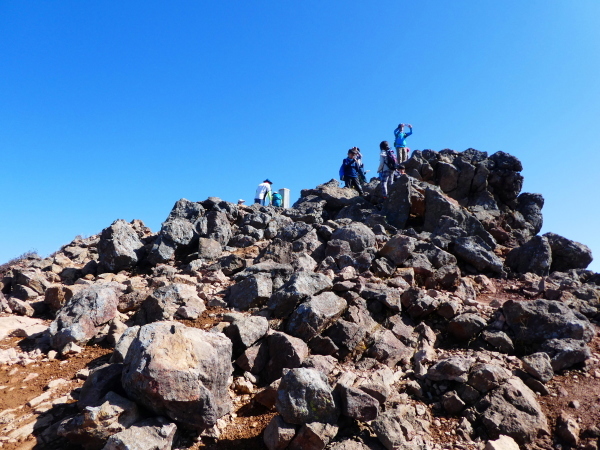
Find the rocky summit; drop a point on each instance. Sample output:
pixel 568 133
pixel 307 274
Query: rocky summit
pixel 435 318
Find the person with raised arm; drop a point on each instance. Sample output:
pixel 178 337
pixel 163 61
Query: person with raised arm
pixel 400 142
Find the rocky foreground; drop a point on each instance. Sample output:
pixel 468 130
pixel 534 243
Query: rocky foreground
pixel 437 318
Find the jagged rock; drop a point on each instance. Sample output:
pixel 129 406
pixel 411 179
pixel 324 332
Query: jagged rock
pixel 350 444
pixel 280 273
pixel 418 304
pixel 20 307
pixel 285 351
pixel 57 295
pixel 119 248
pixel 83 316
pixel 536 321
pixel 150 434
pixel 255 358
pixel 254 290
pixel 378 383
pixel 298 288
pixel 567 254
pixel 209 249
pixel 357 404
pixel 565 353
pixel 567 429
pixel 174 300
pixel 346 336
pixel 96 424
pixel 452 403
pixel 179 372
pixel 389 350
pixel 304 396
pixel 31 278
pixel 322 363
pixel 100 382
pixel 539 365
pixel 313 436
pixel 535 256
pixel 475 251
pixel 268 396
pixel 499 340
pixel 245 331
pixel 359 236
pixel 454 368
pixel 400 428
pixel 122 346
pixel 314 315
pixel 466 326
pixel 278 434
pixel 389 297
pixel 485 377
pixel 513 410
pixel 218 227
pixel 502 443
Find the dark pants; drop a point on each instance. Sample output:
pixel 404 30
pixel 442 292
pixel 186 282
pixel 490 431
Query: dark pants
pixel 353 182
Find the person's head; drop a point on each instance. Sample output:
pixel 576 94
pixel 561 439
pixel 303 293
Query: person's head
pixel 352 153
pixel 402 168
pixel 384 145
pixel 401 126
pixel 241 201
pixel 268 181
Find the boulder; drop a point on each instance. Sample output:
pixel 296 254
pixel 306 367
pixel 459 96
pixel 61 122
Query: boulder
pixel 314 315
pixel 359 236
pixel 245 331
pixel 83 316
pixel 565 353
pixel 567 254
pixel 119 247
pixel 401 428
pixel 535 256
pixel 357 404
pixel 285 352
pixel 179 372
pixel 175 300
pixel 278 434
pixel 313 436
pixel 304 396
pixel 474 251
pixel 253 290
pixel 539 365
pixel 466 326
pixel 454 368
pixel 297 289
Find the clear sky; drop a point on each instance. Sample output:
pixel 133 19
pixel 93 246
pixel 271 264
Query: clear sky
pixel 115 110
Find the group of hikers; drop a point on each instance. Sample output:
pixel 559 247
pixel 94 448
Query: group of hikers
pixel 352 171
pixel 390 163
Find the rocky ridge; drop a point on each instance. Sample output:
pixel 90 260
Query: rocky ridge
pixel 353 322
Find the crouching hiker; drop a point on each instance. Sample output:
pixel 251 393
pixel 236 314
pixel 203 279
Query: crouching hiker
pixel 352 171
pixel 263 192
pixel 387 167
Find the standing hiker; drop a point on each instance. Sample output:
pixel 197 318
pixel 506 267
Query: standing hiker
pixel 263 192
pixel 400 142
pixel 361 174
pixel 387 167
pixel 352 171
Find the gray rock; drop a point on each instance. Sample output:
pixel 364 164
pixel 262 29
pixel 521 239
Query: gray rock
pixel 565 353
pixel 535 256
pixel 172 301
pixel 454 368
pixel 390 297
pixel 255 358
pixel 123 344
pixel 209 249
pixel 245 331
pixel 359 236
pixel 254 290
pixel 536 321
pixel 99 382
pixel 466 326
pixel 150 434
pixel 398 249
pixel 512 410
pixel 567 254
pixel 452 403
pixel 539 366
pixel 280 273
pixel 378 383
pixel 400 428
pixel 357 404
pixel 304 396
pixel 297 289
pixel 388 349
pixel 485 377
pixel 31 278
pixel 314 315
pixel 476 252
pixel 179 372
pixel 278 434
pixel 285 352
pixel 20 307
pixel 119 247
pixel 346 336
pixel 218 227
pixel 96 424
pixel 350 444
pixel 313 436
pixel 568 429
pixel 83 316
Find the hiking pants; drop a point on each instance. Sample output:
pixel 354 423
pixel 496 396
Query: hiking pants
pixel 387 178
pixel 402 153
pixel 353 182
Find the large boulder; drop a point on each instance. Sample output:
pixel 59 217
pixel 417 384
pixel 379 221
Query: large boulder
pixel 80 319
pixel 172 301
pixel 156 433
pixel 253 290
pixel 179 372
pixel 359 236
pixel 298 288
pixel 119 247
pixel 567 254
pixel 534 256
pixel 474 250
pixel 314 315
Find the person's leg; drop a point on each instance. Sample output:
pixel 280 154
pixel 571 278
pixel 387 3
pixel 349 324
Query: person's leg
pixel 398 154
pixel 354 182
pixel 384 182
pixel 257 200
pixel 404 154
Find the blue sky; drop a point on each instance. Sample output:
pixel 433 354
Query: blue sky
pixel 115 110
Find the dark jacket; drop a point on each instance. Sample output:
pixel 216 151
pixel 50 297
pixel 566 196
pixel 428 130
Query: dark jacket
pixel 351 167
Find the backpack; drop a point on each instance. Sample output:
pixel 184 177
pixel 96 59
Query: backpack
pixel 390 159
pixel 277 199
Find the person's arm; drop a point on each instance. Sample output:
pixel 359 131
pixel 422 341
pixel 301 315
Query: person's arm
pixel 410 132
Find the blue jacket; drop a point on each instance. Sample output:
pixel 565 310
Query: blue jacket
pixel 351 167
pixel 401 137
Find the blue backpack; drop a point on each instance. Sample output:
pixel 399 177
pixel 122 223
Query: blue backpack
pixel 277 199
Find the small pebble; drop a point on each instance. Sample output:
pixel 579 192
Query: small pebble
pixel 574 404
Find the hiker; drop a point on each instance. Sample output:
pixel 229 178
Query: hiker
pixel 387 167
pixel 351 171
pixel 361 174
pixel 241 202
pixel 277 199
pixel 400 142
pixel 263 192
